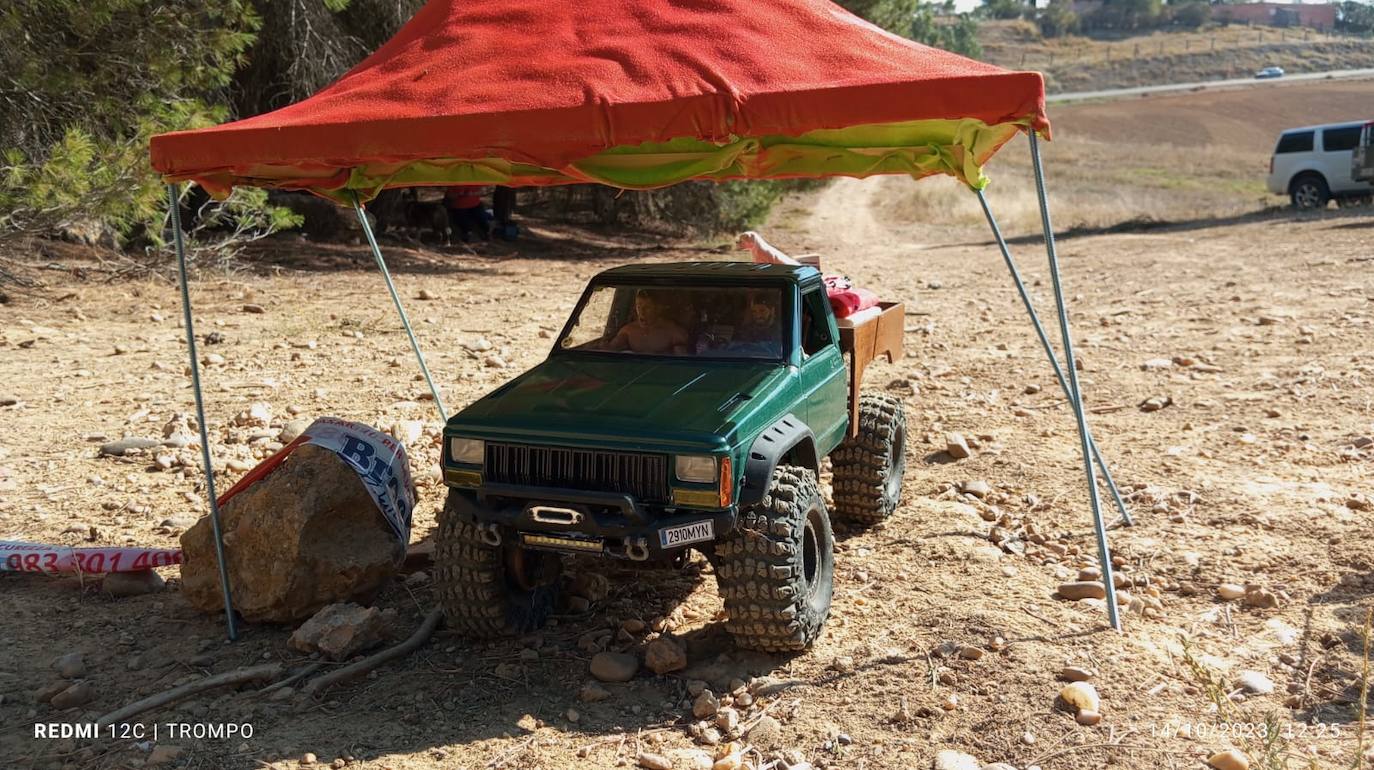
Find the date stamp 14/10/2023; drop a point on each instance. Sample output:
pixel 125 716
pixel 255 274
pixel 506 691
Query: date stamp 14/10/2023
pixel 1225 730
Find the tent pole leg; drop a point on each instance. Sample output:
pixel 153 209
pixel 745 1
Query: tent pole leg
pixel 174 200
pixel 1049 351
pixel 396 298
pixel 1076 394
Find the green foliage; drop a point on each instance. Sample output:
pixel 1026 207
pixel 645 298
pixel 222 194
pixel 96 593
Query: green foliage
pixel 1127 14
pixel 1005 9
pixel 1356 17
pixel 86 83
pixel 928 23
pixel 1058 20
pixel 1192 14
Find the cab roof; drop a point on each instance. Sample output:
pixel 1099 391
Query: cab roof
pixel 725 272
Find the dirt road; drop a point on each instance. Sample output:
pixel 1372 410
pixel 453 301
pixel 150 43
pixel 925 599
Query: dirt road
pixel 1257 470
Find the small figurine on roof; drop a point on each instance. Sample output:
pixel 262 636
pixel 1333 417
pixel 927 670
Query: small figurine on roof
pixel 845 298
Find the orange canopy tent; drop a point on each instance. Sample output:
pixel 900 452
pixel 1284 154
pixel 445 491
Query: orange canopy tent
pixel 634 94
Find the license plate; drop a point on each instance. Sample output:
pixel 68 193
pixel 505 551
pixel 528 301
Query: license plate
pixel 696 532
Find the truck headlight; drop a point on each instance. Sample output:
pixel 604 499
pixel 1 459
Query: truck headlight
pixel 697 468
pixel 466 450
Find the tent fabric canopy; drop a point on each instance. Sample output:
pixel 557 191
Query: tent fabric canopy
pixel 632 93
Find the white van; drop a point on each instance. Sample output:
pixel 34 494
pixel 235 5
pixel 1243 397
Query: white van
pixel 1313 165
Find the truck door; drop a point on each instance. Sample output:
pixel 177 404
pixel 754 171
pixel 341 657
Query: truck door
pixel 824 385
pixel 1338 148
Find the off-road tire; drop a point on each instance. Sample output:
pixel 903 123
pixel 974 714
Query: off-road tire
pixel 1309 192
pixel 478 589
pixel 868 468
pixel 776 570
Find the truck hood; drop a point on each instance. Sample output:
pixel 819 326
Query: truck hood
pixel 627 401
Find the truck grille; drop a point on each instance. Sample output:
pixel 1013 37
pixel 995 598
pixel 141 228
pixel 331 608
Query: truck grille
pixel 643 476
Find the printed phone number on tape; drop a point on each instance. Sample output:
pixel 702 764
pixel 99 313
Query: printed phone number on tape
pixel 36 557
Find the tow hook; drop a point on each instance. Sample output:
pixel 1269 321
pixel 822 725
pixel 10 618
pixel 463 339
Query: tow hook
pixel 489 534
pixel 637 549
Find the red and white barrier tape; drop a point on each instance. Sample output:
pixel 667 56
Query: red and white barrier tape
pixel 58 559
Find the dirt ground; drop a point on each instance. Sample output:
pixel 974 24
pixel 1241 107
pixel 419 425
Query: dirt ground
pixel 1255 330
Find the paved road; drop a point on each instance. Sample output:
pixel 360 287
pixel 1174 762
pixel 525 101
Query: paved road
pixel 1118 93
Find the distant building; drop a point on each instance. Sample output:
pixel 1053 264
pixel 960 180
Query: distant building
pixel 1317 16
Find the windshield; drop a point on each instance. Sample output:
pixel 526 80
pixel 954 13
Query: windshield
pixel 709 321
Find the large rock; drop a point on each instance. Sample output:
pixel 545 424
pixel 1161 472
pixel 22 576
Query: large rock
pixel 306 535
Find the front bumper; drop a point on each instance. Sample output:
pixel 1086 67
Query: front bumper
pixel 609 521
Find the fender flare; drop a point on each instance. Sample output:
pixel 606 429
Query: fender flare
pixel 787 434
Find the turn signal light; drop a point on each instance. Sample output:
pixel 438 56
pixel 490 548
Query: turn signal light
pixel 727 485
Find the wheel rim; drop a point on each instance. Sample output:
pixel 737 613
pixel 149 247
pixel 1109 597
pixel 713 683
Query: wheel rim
pixel 892 487
pixel 811 555
pixel 1307 195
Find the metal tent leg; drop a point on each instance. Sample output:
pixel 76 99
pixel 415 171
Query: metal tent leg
pixel 1076 393
pixel 1049 351
pixel 391 287
pixel 174 200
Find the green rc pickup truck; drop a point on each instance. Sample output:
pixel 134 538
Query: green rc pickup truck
pixel 683 406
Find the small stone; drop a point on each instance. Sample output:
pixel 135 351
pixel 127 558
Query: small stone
pixel 664 655
pixel 970 652
pixel 1075 674
pixel 292 430
pixel 1255 682
pixel 1082 589
pixel 124 584
pixel 578 604
pixel 573 715
pixel 766 734
pixel 1081 696
pixel 1230 591
pixel 254 309
pixel 1155 403
pixel 651 761
pixel 1230 759
pixel 633 626
pixel 592 586
pixel 8 400
pixel 592 692
pixel 957 447
pixel 1261 598
pixel 949 702
pixel 78 694
pixel 949 759
pixel 1157 363
pixel 727 720
pixel 125 445
pixel 70 666
pixel 1087 717
pixel 426 294
pixel 493 361
pixel 705 705
pixel 614 666
pixel 161 755
pixel 979 488
pixel 527 722
pixel 339 631
pixel 308 758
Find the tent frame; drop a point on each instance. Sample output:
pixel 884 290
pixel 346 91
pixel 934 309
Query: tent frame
pixel 1093 462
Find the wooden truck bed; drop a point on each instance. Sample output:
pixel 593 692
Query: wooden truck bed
pixel 865 337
